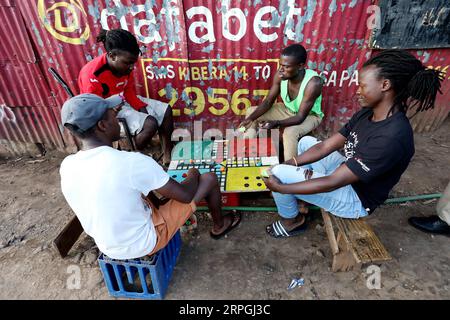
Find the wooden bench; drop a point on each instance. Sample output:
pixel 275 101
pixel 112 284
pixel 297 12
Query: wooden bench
pixel 355 244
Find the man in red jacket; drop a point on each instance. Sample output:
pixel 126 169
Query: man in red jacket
pixel 111 74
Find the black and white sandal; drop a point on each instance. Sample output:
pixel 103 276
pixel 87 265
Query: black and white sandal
pixel 277 230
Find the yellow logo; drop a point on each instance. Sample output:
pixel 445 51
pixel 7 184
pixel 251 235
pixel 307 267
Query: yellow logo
pixel 63 20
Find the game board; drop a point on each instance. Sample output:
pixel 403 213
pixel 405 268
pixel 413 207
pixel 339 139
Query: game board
pixel 237 164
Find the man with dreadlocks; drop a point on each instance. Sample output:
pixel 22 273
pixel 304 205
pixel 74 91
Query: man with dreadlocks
pixel 378 146
pixel 111 74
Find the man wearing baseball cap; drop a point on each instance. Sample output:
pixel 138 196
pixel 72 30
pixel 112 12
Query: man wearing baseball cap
pixel 109 189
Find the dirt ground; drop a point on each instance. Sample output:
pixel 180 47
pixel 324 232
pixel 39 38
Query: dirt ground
pixel 248 264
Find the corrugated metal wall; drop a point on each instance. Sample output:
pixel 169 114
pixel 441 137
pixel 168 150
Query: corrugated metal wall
pixel 26 102
pixel 209 59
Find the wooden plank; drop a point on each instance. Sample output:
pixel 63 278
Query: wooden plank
pixel 362 241
pixel 68 236
pixel 330 232
pixel 344 260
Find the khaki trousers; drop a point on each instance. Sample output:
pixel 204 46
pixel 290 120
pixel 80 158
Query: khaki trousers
pixel 292 134
pixel 443 206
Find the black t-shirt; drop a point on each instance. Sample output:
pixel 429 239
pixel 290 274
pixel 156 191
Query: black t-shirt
pixel 378 153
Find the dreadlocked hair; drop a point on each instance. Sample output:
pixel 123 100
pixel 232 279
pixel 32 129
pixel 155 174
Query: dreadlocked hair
pixel 119 39
pixel 413 84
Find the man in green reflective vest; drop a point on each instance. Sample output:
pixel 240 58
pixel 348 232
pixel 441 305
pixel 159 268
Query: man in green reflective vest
pixel 300 112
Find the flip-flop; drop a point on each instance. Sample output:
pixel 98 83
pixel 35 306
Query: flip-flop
pixel 237 217
pixel 277 230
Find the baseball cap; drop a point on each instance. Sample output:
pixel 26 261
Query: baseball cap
pixel 85 110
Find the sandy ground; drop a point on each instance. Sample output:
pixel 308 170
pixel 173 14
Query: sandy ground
pixel 247 264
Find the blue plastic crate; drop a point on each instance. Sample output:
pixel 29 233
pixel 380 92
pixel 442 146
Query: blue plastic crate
pixel 144 279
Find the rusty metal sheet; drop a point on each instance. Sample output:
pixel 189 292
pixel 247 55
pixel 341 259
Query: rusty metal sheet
pixel 15 42
pixel 30 125
pixel 209 59
pixel 22 84
pixel 234 47
pixel 26 118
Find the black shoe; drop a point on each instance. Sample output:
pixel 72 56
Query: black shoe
pixel 431 224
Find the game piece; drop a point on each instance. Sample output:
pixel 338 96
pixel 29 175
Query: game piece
pixel 264 173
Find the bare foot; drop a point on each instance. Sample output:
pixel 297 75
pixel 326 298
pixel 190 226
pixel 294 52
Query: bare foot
pixel 229 223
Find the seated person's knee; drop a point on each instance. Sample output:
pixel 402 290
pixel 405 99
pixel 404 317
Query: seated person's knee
pixel 276 170
pixel 150 124
pixel 285 173
pixel 305 143
pixel 307 139
pixel 210 178
pixel 168 113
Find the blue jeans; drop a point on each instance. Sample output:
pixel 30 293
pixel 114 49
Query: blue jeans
pixel 342 202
